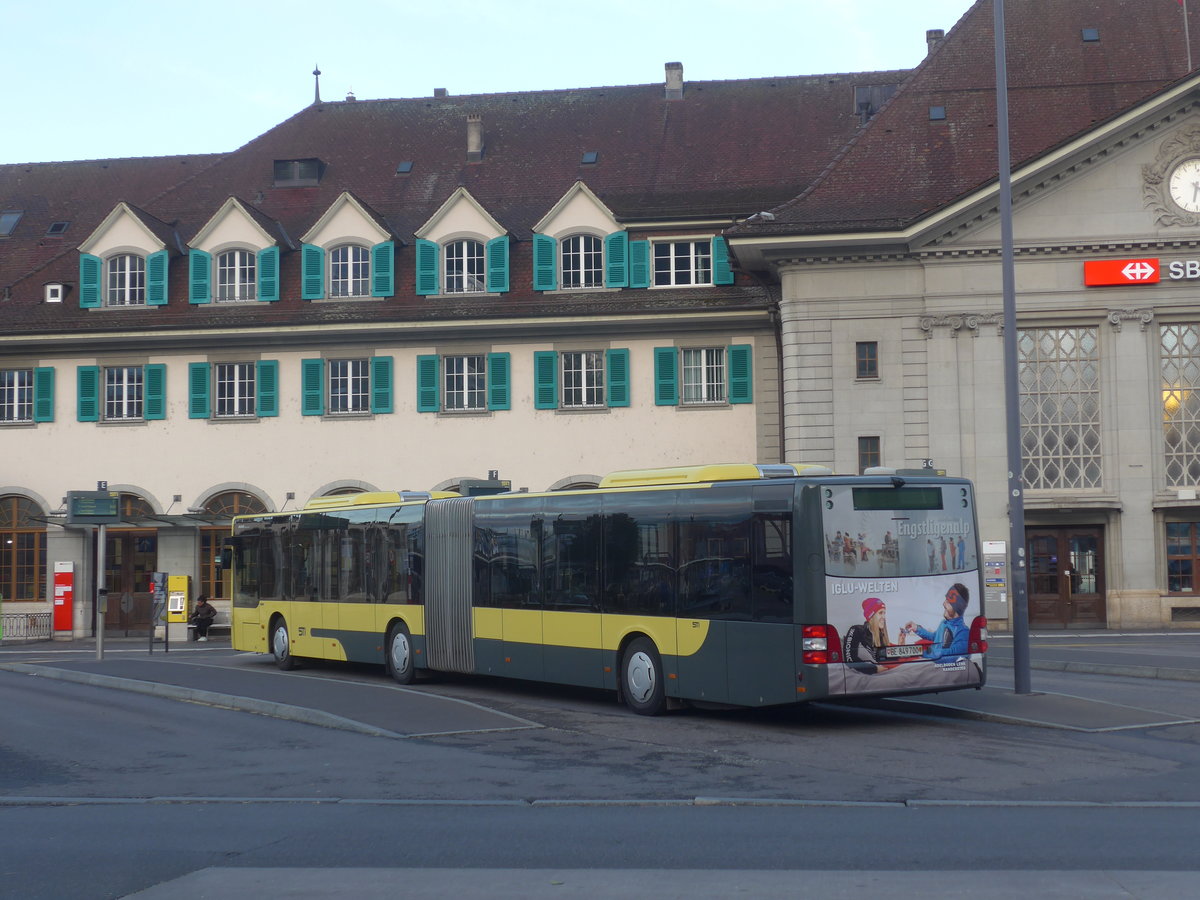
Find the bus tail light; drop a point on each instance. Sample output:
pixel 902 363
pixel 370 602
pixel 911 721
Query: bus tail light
pixel 820 645
pixel 979 635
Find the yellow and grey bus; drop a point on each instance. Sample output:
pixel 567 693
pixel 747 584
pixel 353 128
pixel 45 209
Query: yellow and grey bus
pixel 733 584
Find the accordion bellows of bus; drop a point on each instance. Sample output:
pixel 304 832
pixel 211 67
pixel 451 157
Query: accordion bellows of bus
pixel 733 584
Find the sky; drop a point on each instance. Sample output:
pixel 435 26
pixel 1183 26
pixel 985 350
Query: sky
pixel 147 78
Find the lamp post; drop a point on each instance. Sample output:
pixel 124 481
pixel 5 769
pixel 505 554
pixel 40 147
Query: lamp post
pixel 1018 572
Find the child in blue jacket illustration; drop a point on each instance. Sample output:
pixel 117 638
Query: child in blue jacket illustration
pixel 951 638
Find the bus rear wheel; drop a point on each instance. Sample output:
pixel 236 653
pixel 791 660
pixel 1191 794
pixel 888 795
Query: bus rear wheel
pixel 281 646
pixel 400 663
pixel 642 678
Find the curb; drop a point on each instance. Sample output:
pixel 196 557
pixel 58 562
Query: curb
pixel 1080 668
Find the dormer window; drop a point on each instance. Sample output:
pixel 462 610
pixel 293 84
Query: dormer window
pixel 297 172
pixel 465 271
pixel 582 262
pixel 237 276
pixel 350 271
pixel 126 280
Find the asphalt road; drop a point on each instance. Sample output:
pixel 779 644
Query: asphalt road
pixel 342 782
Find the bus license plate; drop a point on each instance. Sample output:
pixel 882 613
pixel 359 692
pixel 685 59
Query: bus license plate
pixel 904 652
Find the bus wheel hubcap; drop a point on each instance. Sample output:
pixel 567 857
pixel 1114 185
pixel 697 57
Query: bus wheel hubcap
pixel 281 643
pixel 400 651
pixel 640 676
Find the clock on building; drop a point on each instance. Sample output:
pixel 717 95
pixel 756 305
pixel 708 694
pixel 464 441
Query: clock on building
pixel 1184 184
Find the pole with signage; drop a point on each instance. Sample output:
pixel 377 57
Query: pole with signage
pixel 1016 494
pixel 100 508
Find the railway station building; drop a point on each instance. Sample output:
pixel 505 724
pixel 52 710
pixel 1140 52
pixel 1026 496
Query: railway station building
pixel 548 286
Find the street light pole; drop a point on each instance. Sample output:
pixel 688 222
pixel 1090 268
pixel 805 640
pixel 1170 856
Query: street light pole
pixel 1017 574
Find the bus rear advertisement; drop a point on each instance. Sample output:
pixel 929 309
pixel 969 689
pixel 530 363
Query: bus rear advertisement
pixel 733 584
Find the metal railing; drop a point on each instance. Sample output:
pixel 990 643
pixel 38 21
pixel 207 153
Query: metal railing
pixel 26 627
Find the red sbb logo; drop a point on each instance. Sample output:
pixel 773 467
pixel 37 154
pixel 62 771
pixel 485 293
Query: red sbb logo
pixel 1098 273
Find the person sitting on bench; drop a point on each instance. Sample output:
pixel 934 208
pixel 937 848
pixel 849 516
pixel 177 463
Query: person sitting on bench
pixel 202 617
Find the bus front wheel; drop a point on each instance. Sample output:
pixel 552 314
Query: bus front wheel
pixel 400 663
pixel 642 678
pixel 281 646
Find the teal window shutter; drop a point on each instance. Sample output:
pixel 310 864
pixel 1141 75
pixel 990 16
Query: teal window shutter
pixel 154 406
pixel 43 394
pixel 90 270
pixel 87 393
pixel 666 382
pixel 497 265
pixel 427 268
pixel 312 272
pixel 616 259
pixel 639 264
pixel 741 373
pixel 156 279
pixel 268 274
pixel 545 263
pixel 312 387
pixel 198 381
pixel 383 270
pixel 267 384
pixel 545 379
pixel 617 372
pixel 199 277
pixel 428 395
pixel 381 384
pixel 722 271
pixel 499 396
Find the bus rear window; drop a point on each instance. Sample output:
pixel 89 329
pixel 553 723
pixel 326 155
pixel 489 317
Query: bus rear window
pixel 898 498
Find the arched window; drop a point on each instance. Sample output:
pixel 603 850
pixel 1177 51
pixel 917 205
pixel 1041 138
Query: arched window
pixel 221 506
pixel 22 549
pixel 126 280
pixel 349 271
pixel 464 268
pixel 236 275
pixel 135 507
pixel 582 262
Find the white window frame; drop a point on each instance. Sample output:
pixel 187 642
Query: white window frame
pixel 582 379
pixel 237 275
pixel 16 396
pixel 235 390
pixel 682 263
pixel 349 387
pixel 124 393
pixel 464 382
pixel 125 275
pixel 702 375
pixel 581 262
pixel 350 271
pixel 464 267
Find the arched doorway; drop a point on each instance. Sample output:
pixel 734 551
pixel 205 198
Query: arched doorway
pixel 223 506
pixel 130 556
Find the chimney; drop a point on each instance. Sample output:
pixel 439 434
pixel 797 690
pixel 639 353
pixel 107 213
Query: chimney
pixel 933 37
pixel 674 85
pixel 474 137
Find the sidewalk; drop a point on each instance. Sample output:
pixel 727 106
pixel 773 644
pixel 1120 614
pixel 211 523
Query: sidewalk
pixel 351 699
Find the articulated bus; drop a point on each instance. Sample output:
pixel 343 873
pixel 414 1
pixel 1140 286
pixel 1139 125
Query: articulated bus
pixel 735 584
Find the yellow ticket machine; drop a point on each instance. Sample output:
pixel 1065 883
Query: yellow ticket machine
pixel 179 606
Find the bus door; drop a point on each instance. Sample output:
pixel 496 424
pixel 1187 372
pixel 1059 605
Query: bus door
pixel 571 540
pixel 761 647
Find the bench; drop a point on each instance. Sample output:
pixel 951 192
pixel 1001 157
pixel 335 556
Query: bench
pixel 223 621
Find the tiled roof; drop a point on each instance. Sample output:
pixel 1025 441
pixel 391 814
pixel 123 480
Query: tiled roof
pixel 81 194
pixel 725 150
pixel 904 166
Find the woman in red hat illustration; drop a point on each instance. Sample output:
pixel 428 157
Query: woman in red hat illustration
pixel 864 644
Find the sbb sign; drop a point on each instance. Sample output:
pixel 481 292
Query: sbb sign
pixel 1103 272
